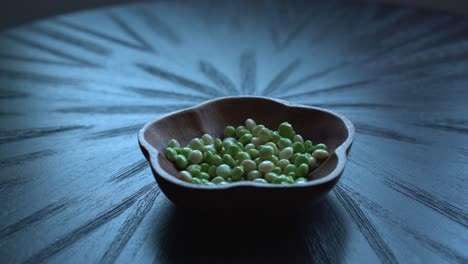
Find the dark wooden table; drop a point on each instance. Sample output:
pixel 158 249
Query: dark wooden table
pixel 75 89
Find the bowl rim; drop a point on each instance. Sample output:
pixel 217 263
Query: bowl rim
pixel 340 151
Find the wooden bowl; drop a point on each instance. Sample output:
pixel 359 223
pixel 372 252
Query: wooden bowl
pixel 316 124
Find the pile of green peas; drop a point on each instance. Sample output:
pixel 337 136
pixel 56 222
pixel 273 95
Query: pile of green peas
pixel 247 153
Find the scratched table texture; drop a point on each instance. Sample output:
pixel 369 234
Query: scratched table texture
pixel 75 89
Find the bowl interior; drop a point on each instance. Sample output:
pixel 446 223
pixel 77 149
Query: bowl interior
pixel 317 125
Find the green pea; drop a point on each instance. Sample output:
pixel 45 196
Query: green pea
pixel 249 147
pixel 254 175
pixel 181 162
pixel 193 166
pixel 170 154
pixel 318 146
pixel 264 135
pixel 216 160
pixel 298 138
pixel 285 130
pixel 207 156
pixel 204 167
pixel 292 174
pixel 290 168
pixel 229 179
pixel 320 154
pixel 308 145
pixel 289 179
pixel 250 124
pixel 280 179
pixel 256 129
pixel 266 166
pixel 210 184
pixel 185 151
pixel 178 150
pixel 195 172
pixel 275 137
pixel 217 180
pixel 313 163
pixel 196 181
pixel 260 180
pixel 228 143
pixel 240 145
pixel 253 153
pixel 286 153
pixel 207 139
pixel 204 181
pixel 196 144
pixel 273 145
pixel 301 180
pixel 212 171
pixel 185 176
pixel 248 165
pixel 204 176
pixel 233 150
pixel 265 152
pixel 241 130
pixel 243 156
pixel 256 141
pixel 298 147
pixel 282 163
pixel 237 173
pixel 301 159
pixel 227 159
pixel 302 170
pixel 294 157
pixel 284 143
pixel 229 131
pixel 258 161
pixel 195 157
pixel 270 176
pixel 273 159
pixel 209 148
pixel 172 143
pixel 245 139
pixel 223 170
pixel 218 144
pixel 307 155
pixel 277 170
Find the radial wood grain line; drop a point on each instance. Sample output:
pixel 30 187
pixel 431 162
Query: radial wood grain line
pixel 279 79
pixel 387 216
pixel 248 70
pixel 122 109
pixel 32 156
pixel 130 32
pixel 36 217
pixel 129 171
pixel 37 77
pixel 218 78
pixel 295 32
pixel 366 129
pixel 10 114
pixel 18 58
pixel 340 87
pixel 89 226
pixel 75 27
pixel 453 35
pixel 356 105
pixel 381 249
pixel 7 136
pixel 10 94
pixel 115 132
pixel 316 75
pixel 159 27
pixel 128 228
pixel 71 40
pixel 454 212
pixel 54 51
pixel 155 93
pixel 179 80
pixel 7 186
pixel 445 127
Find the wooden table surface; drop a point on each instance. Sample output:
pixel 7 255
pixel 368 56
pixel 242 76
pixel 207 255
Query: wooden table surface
pixel 75 89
